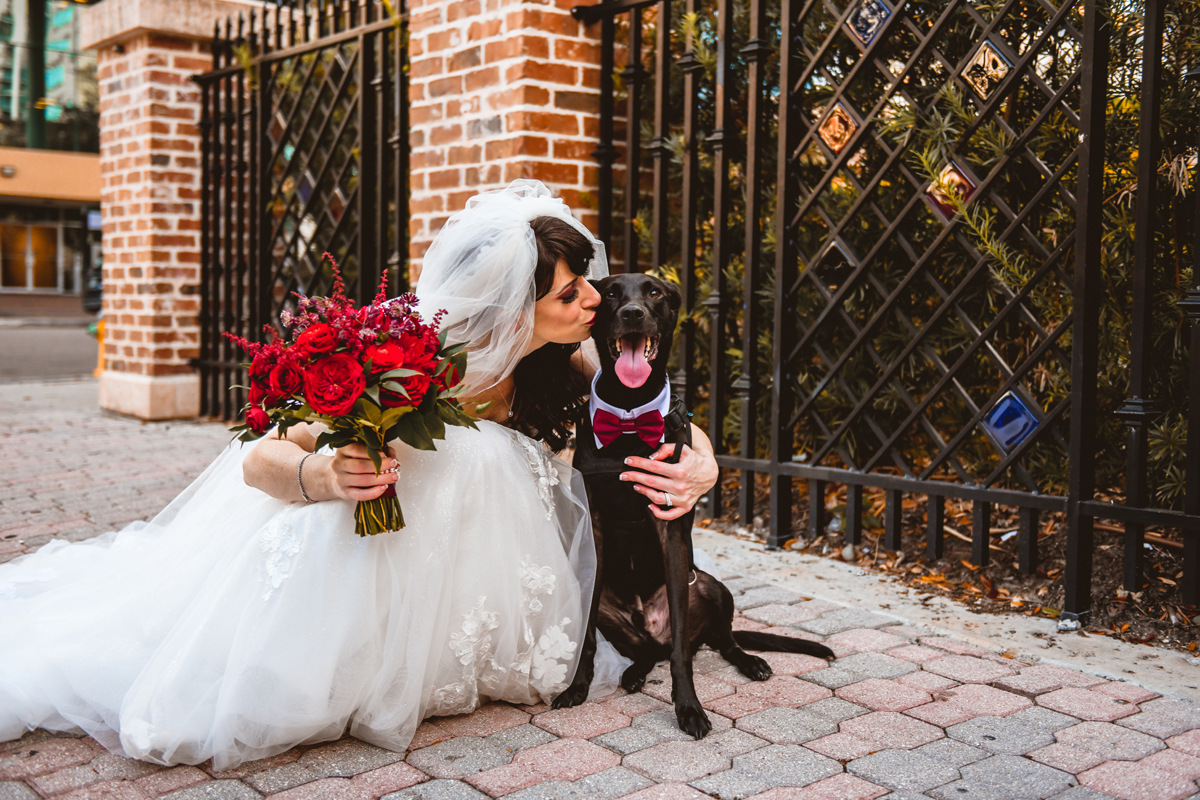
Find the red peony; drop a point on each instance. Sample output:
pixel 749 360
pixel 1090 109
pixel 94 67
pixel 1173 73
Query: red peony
pixel 332 384
pixel 317 340
pixel 257 420
pixel 414 385
pixel 286 380
pixel 383 357
pixel 416 356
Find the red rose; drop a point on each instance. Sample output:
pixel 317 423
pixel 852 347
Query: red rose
pixel 286 380
pixel 415 385
pixel 257 420
pixel 258 394
pixel 383 357
pixel 315 341
pixel 332 384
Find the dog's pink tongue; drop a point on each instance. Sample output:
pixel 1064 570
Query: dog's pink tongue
pixel 632 367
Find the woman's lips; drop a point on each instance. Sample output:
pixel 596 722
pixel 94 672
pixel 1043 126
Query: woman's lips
pixel 592 321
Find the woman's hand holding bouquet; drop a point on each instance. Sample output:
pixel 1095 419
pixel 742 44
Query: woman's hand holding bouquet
pixel 371 375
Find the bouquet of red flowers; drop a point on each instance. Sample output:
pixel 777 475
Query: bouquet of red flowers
pixel 371 375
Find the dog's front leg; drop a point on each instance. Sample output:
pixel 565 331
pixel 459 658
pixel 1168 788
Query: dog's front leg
pixel 688 711
pixel 577 692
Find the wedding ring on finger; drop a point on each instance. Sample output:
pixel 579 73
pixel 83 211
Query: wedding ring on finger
pixel 670 503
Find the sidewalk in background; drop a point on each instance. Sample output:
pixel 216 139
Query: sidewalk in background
pixel 931 709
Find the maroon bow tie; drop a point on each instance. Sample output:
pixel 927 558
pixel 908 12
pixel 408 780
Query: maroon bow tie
pixel 608 426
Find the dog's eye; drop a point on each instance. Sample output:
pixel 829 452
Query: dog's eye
pixel 610 294
pixel 655 293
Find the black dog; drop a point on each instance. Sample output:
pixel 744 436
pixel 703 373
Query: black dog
pixel 650 601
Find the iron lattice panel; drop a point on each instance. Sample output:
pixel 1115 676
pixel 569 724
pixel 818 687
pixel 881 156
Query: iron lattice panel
pixel 930 303
pixel 313 172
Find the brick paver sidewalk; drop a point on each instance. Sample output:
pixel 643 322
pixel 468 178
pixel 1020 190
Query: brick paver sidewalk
pixel 900 714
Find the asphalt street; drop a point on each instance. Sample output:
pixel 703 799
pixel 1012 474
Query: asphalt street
pixel 45 352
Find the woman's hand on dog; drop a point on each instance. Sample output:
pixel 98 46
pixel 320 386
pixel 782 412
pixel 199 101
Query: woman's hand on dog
pixel 686 481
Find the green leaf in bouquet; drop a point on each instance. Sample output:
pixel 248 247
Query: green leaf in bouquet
pixel 465 419
pixel 372 412
pixel 434 423
pixel 442 339
pixel 452 350
pixel 373 393
pixel 427 403
pixel 373 452
pixel 287 421
pixel 336 435
pixel 399 389
pixel 399 372
pixel 411 430
pixel 392 414
pixel 451 414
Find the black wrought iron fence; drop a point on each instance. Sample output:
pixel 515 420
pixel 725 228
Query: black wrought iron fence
pixel 305 150
pixel 886 219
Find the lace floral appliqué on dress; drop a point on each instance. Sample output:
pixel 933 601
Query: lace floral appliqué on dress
pixel 279 543
pixel 543 468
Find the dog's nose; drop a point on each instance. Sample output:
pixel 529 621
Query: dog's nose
pixel 632 313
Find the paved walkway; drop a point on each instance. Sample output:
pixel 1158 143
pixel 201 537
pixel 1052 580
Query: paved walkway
pixel 902 713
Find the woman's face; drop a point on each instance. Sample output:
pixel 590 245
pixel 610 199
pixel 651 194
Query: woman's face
pixel 566 313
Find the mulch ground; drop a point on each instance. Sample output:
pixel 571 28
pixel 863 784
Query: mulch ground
pixel 1154 615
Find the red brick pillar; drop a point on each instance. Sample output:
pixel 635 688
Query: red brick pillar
pixel 500 89
pixel 147 51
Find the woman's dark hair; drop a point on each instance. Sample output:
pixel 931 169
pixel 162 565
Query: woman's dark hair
pixel 548 387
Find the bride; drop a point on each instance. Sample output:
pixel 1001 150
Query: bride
pixel 247 618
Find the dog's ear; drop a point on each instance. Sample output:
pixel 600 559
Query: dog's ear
pixel 674 298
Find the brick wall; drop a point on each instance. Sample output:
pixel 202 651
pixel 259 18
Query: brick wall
pixel 150 170
pixel 500 89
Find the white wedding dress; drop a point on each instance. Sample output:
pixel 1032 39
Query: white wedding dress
pixel 234 626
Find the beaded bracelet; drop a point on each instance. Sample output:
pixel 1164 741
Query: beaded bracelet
pixel 300 482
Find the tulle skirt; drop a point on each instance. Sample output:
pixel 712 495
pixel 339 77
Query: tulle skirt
pixel 234 626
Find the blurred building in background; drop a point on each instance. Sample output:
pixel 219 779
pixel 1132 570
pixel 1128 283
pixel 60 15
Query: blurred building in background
pixel 49 168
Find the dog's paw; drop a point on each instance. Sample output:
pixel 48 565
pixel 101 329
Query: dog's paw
pixel 755 668
pixel 632 682
pixel 571 696
pixel 693 721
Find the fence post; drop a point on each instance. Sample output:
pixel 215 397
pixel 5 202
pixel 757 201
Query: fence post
pixel 1139 408
pixel 1085 360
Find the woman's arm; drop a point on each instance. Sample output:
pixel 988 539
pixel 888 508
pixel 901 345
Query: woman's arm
pixel 686 481
pixel 347 475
